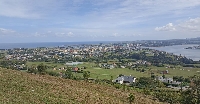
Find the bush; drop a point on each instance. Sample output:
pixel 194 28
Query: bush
pixel 131 98
pixel 117 86
pixel 41 68
pixel 52 73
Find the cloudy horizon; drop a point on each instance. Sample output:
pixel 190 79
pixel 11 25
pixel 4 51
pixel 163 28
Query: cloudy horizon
pixel 98 20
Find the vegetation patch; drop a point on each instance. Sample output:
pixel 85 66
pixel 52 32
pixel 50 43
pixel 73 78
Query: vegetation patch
pixel 25 88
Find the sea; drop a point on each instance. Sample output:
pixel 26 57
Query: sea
pixel 45 44
pixel 193 54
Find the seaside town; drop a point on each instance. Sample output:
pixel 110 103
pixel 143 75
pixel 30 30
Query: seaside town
pixel 99 52
pixel 136 65
pixel 114 55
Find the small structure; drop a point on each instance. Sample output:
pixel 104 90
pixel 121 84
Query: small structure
pixel 125 79
pixel 75 69
pixel 165 80
pixel 164 72
pixel 73 63
pixel 168 80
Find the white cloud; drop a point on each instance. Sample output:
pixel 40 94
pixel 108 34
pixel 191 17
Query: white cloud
pixel 39 35
pixel 132 35
pixel 11 33
pixel 118 14
pixel 115 35
pixel 64 34
pixel 117 19
pixel 19 8
pixel 190 25
pixel 6 31
pixel 33 9
pixel 70 34
pixel 168 27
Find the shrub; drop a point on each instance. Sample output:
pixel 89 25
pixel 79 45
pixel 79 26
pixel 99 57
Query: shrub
pixel 52 73
pixel 131 98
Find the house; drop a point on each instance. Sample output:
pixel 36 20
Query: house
pixel 107 66
pixel 165 80
pixel 165 72
pixel 168 80
pixel 75 69
pixel 124 79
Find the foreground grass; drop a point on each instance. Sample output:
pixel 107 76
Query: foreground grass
pixel 24 88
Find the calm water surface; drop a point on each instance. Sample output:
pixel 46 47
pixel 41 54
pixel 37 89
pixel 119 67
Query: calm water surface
pixel 44 44
pixel 193 54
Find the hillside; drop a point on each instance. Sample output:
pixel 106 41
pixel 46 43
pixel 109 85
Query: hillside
pixel 20 87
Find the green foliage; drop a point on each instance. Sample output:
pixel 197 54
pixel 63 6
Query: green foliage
pixel 32 69
pixel 131 98
pixel 2 55
pixel 146 91
pixel 146 82
pixel 41 68
pixel 167 96
pixel 97 80
pixel 117 86
pixel 124 87
pixel 68 74
pixel 53 73
pixel 11 64
pixel 111 80
pixel 187 97
pixel 195 90
pixel 86 75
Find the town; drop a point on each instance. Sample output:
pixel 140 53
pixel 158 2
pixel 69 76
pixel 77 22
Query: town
pixel 125 63
pixel 99 52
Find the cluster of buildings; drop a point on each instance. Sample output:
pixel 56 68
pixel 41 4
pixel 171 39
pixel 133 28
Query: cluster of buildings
pixel 64 52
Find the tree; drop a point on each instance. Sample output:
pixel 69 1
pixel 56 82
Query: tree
pixel 86 75
pixel 196 88
pixel 187 97
pixel 68 74
pixel 146 82
pixel 32 69
pixel 192 96
pixel 41 68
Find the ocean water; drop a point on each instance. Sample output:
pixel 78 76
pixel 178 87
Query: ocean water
pixel 193 54
pixel 44 44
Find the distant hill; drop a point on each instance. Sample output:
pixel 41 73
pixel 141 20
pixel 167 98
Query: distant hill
pixel 23 88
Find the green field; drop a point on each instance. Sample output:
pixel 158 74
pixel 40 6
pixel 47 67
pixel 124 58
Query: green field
pixel 102 73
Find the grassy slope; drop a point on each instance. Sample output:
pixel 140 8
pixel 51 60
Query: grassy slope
pixel 20 87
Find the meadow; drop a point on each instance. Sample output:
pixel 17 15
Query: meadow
pixel 102 73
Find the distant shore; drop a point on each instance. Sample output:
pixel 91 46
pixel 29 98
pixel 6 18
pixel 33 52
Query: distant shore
pixel 193 47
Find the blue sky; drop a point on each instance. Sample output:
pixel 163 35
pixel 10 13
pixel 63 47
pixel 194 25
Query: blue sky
pixel 97 20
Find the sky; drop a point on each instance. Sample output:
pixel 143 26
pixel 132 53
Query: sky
pixel 98 20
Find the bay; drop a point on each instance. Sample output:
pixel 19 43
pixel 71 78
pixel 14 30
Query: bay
pixel 193 54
